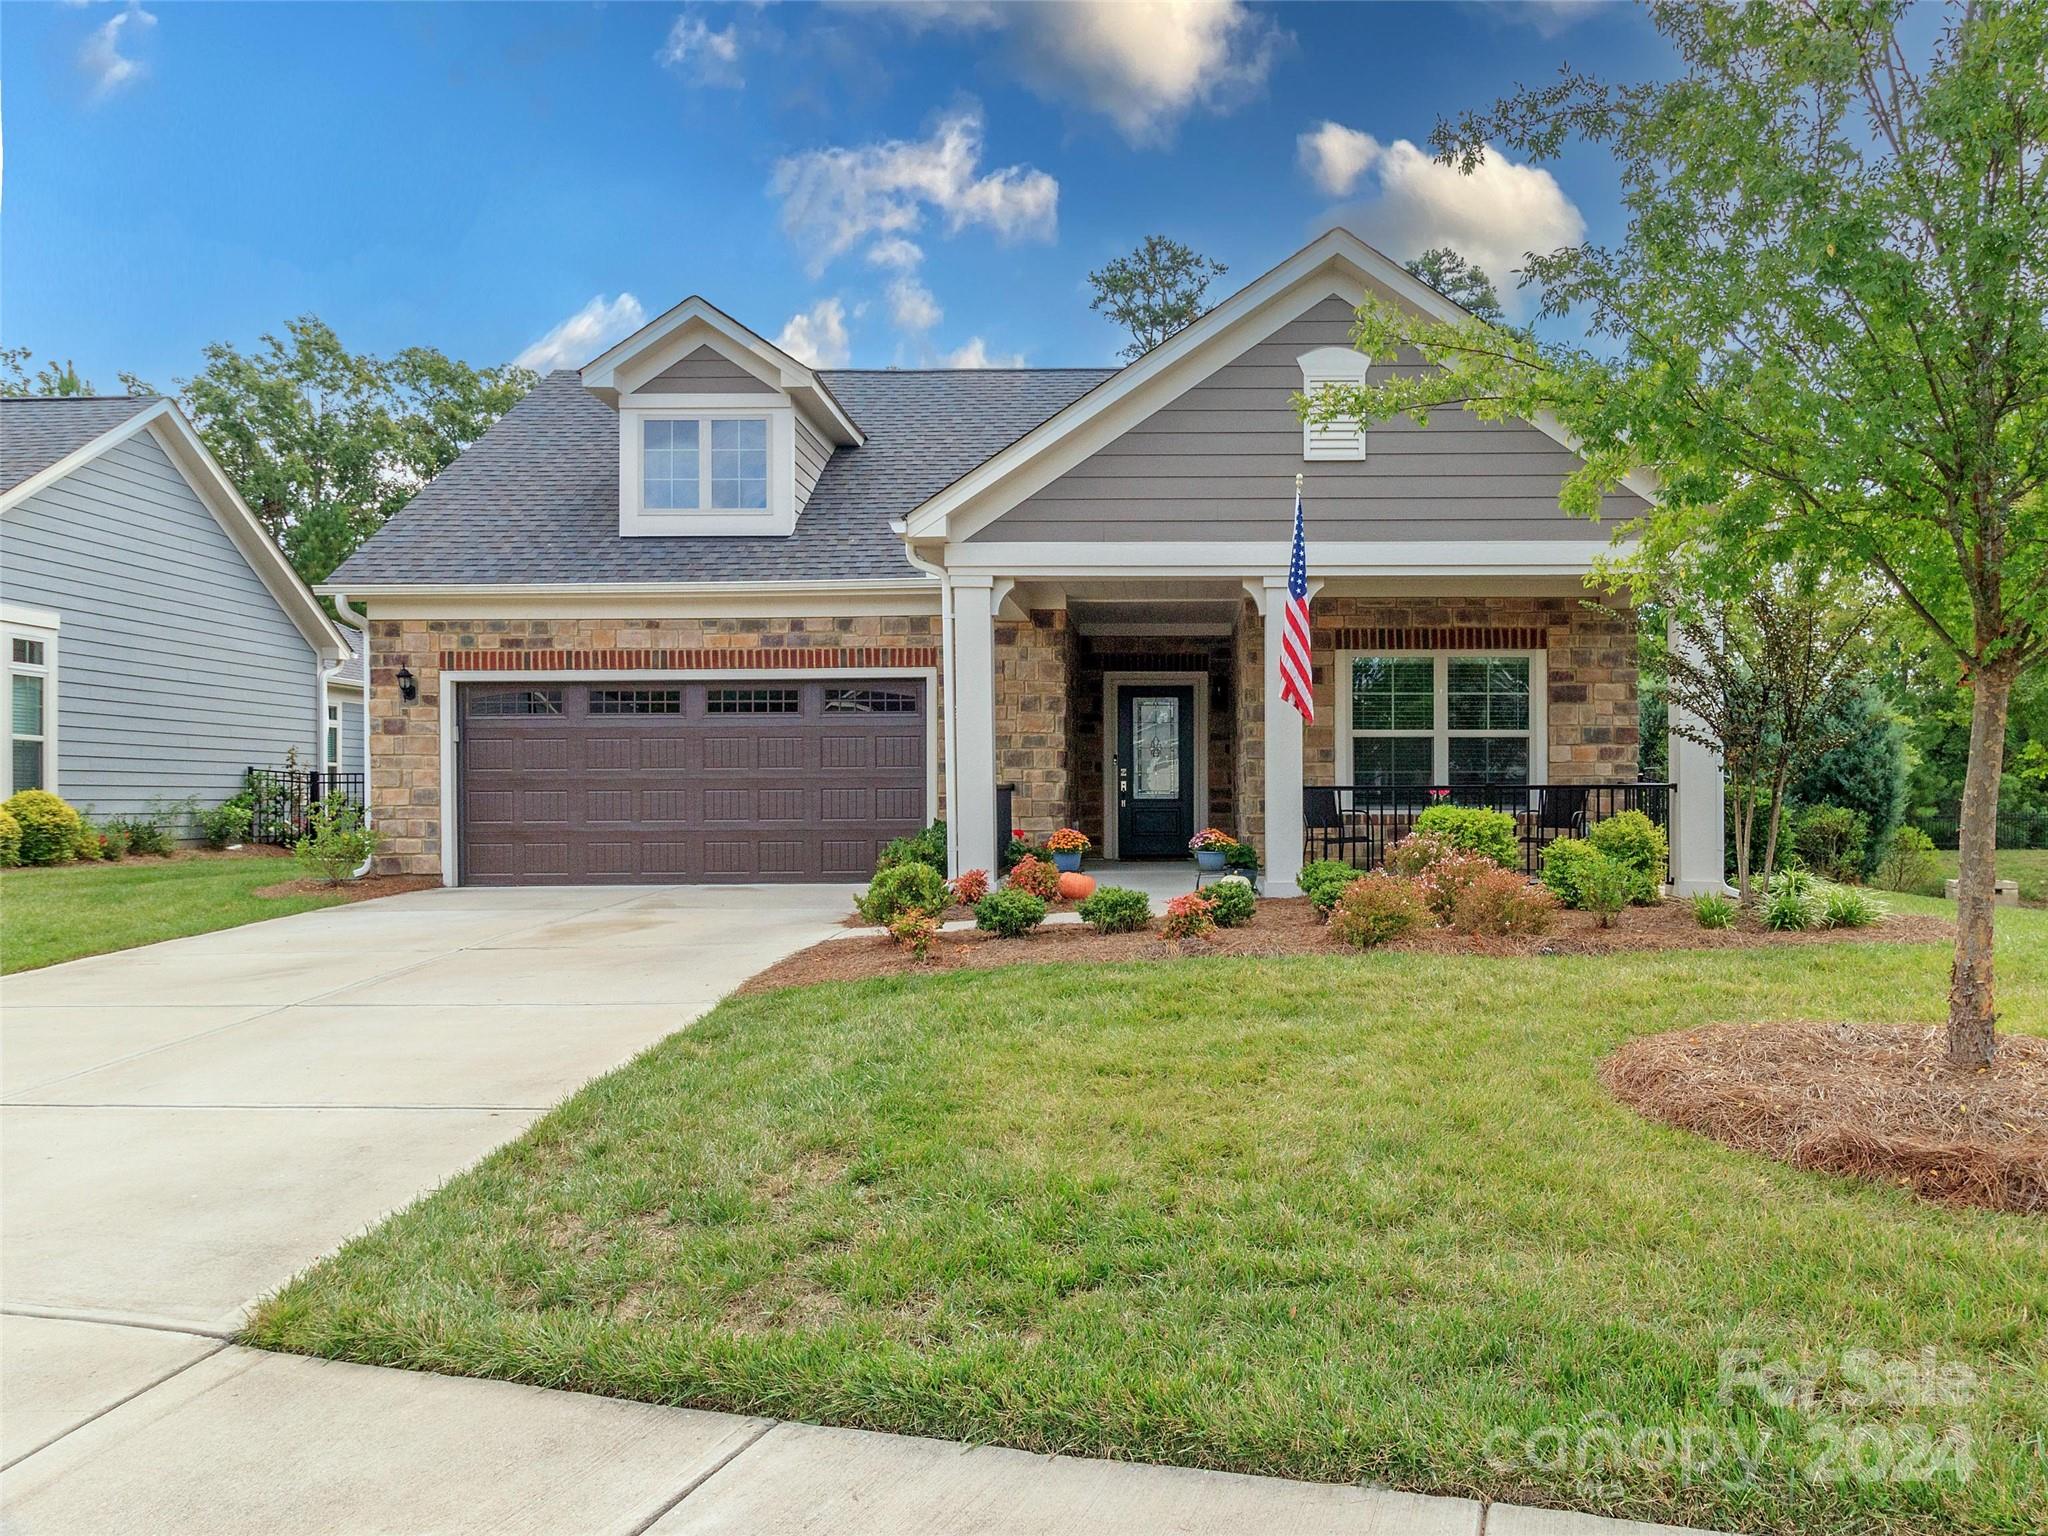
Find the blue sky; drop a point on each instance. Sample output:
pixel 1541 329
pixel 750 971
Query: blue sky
pixel 877 184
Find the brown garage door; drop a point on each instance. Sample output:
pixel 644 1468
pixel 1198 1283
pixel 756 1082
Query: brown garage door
pixel 652 782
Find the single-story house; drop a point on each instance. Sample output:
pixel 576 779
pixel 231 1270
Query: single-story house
pixel 157 642
pixel 699 612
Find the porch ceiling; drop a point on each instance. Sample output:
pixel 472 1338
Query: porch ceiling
pixel 1163 616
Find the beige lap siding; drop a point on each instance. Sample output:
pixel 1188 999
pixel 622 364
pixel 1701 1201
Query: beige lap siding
pixel 406 749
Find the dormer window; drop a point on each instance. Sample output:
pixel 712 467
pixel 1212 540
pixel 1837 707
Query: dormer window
pixel 1344 437
pixel 688 463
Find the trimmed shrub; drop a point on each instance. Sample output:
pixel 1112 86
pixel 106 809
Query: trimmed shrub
pixel 1710 909
pixel 927 848
pixel 1909 861
pixel 1234 901
pixel 1474 829
pixel 899 888
pixel 1035 877
pixel 1322 881
pixel 1498 903
pixel 1830 840
pixel 1377 908
pixel 1417 852
pixel 88 844
pixel 1843 906
pixel 1008 914
pixel 228 822
pixel 113 840
pixel 1116 909
pixel 149 832
pixel 1565 863
pixel 916 930
pixel 49 827
pixel 338 843
pixel 1789 903
pixel 1192 916
pixel 969 886
pixel 1605 886
pixel 1442 883
pixel 1631 839
pixel 10 839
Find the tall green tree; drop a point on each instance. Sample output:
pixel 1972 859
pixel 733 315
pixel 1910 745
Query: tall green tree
pixel 1154 291
pixel 53 378
pixel 325 444
pixel 1462 282
pixel 1826 334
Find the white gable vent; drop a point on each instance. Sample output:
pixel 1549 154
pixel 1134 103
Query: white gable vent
pixel 1345 437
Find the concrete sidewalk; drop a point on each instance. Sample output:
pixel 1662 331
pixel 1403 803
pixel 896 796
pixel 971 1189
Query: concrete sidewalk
pixel 187 1126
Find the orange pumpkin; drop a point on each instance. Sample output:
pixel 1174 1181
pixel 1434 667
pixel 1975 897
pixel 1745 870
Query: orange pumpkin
pixel 1075 886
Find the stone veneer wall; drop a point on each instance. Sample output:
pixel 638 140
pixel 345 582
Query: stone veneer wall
pixel 406 754
pixel 1208 664
pixel 1590 662
pixel 1250 646
pixel 1034 718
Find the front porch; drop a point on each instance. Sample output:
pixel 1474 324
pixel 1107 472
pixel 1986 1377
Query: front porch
pixel 1139 712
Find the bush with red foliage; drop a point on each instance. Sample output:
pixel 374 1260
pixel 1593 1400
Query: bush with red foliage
pixel 969 886
pixel 1192 916
pixel 1035 877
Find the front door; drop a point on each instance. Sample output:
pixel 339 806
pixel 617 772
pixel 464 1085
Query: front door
pixel 1155 770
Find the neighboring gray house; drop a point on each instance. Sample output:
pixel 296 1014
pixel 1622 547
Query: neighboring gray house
pixel 700 612
pixel 157 643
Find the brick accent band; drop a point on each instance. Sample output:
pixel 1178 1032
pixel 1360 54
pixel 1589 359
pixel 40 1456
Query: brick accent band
pixel 1464 637
pixel 766 658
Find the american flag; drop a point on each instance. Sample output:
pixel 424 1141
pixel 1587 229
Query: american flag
pixel 1295 686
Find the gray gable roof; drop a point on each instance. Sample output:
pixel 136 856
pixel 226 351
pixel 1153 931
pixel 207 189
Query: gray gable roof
pixel 36 433
pixel 536 498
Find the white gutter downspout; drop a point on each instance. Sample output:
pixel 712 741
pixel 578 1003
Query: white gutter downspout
pixel 346 616
pixel 945 683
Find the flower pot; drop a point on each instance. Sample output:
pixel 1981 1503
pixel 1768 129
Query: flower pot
pixel 1209 859
pixel 1066 863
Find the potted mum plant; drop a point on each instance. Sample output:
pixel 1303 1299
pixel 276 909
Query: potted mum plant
pixel 1068 845
pixel 1211 847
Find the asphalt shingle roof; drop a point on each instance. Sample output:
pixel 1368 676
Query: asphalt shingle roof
pixel 536 499
pixel 34 434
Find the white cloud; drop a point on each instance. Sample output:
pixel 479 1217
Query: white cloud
pixel 975 355
pixel 817 337
pixel 101 57
pixel 895 252
pixel 1493 217
pixel 1335 156
pixel 832 199
pixel 1145 64
pixel 912 306
pixel 1550 17
pixel 710 58
pixel 584 334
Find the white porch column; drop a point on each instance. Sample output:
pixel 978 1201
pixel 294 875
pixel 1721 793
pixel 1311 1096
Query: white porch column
pixel 1283 757
pixel 1698 809
pixel 972 820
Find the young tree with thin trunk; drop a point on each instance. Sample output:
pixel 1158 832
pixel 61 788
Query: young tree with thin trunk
pixel 1155 291
pixel 1826 335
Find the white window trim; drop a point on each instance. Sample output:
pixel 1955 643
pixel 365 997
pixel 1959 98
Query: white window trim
pixel 1342 440
pixel 778 517
pixel 331 739
pixel 1440 761
pixel 40 625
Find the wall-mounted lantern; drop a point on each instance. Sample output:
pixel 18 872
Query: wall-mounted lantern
pixel 408 685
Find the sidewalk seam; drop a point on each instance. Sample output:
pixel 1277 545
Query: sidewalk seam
pixel 767 1428
pixel 150 1386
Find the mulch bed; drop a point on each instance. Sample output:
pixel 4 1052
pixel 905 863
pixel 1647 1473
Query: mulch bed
pixel 1291 927
pixel 1876 1101
pixel 369 888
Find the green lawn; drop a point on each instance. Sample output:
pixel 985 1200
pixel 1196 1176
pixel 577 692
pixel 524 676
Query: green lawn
pixel 2029 866
pixel 70 910
pixel 1330 1218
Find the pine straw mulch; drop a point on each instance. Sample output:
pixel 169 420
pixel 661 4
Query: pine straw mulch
pixel 369 888
pixel 1877 1101
pixel 1291 927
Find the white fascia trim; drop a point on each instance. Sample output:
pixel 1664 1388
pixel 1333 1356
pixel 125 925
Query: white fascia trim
pixel 210 483
pixel 908 586
pixel 1337 247
pixel 451 799
pixel 18 617
pixel 610 374
pixel 1447 557
pixel 344 685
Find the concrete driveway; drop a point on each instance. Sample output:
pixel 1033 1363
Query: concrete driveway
pixel 188 1125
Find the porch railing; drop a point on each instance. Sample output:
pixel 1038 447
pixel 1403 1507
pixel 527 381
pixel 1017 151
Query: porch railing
pixel 1359 822
pixel 281 800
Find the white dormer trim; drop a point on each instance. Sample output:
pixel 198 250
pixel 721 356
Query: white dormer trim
pixel 696 322
pixel 776 520
pixel 1343 438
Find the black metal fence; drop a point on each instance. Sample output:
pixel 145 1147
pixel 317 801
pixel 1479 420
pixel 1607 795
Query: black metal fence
pixel 1359 822
pixel 282 800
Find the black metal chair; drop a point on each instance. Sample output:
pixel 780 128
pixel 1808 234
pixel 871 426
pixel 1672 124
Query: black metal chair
pixel 1326 829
